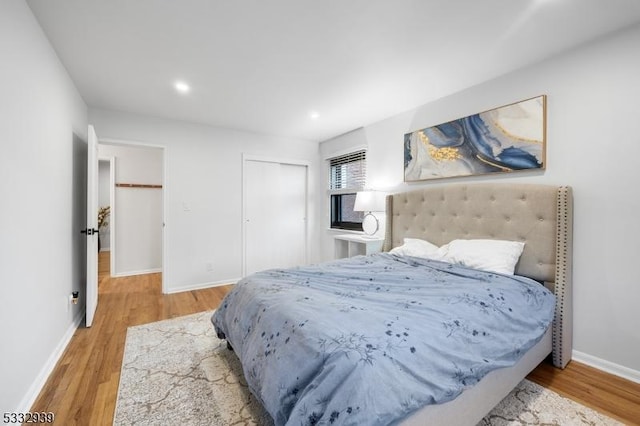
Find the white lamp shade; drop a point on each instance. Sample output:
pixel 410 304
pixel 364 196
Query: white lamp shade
pixel 369 201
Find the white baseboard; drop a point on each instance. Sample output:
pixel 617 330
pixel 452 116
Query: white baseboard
pixel 141 272
pixel 34 390
pixel 609 367
pixel 203 285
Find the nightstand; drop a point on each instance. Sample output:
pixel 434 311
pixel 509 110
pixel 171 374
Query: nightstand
pixel 347 245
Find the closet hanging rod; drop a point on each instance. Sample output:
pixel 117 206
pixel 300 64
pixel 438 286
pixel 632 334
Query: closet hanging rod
pixel 137 185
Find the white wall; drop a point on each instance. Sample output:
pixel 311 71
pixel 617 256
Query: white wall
pixel 136 212
pixel 203 191
pixel 43 123
pixel 593 144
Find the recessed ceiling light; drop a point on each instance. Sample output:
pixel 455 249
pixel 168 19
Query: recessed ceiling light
pixel 182 87
pixel 314 115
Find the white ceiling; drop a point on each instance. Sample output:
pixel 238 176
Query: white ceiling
pixel 265 65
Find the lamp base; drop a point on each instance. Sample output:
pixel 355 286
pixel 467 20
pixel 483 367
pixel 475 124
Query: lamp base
pixel 370 224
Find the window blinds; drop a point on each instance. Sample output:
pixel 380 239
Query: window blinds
pixel 348 172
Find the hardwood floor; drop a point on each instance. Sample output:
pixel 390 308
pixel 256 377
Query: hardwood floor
pixel 82 389
pixel 606 393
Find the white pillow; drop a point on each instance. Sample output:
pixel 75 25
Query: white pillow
pixel 489 255
pixel 415 247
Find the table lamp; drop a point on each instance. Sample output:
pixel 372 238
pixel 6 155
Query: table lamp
pixel 369 202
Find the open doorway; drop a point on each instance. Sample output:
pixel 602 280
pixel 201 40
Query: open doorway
pixel 131 184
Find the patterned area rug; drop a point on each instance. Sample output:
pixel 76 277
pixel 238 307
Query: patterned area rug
pixel 177 372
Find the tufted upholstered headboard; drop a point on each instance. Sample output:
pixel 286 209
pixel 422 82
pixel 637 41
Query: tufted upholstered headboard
pixel 539 215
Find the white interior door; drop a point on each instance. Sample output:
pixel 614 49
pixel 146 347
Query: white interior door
pixel 92 226
pixel 275 215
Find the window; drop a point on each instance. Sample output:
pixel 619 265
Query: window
pixel 347 174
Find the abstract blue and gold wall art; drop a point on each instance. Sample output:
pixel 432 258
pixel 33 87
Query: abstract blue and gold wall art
pixel 504 139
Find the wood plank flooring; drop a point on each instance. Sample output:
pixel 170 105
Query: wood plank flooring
pixel 82 389
pixel 606 393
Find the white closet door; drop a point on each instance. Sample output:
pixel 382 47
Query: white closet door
pixel 275 213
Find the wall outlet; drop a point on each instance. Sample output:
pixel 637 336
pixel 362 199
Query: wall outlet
pixel 209 266
pixel 72 300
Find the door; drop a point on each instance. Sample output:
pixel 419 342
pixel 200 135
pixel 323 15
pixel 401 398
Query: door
pixel 92 225
pixel 275 215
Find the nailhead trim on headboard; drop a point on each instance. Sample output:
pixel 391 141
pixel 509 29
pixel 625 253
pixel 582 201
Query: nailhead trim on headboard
pixel 562 323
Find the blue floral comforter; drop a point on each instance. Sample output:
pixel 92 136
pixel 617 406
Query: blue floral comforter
pixel 370 339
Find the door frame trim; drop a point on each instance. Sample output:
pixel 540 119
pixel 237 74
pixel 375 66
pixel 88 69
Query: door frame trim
pixel 265 159
pixel 112 215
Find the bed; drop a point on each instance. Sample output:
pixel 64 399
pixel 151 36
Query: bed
pixel 368 349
